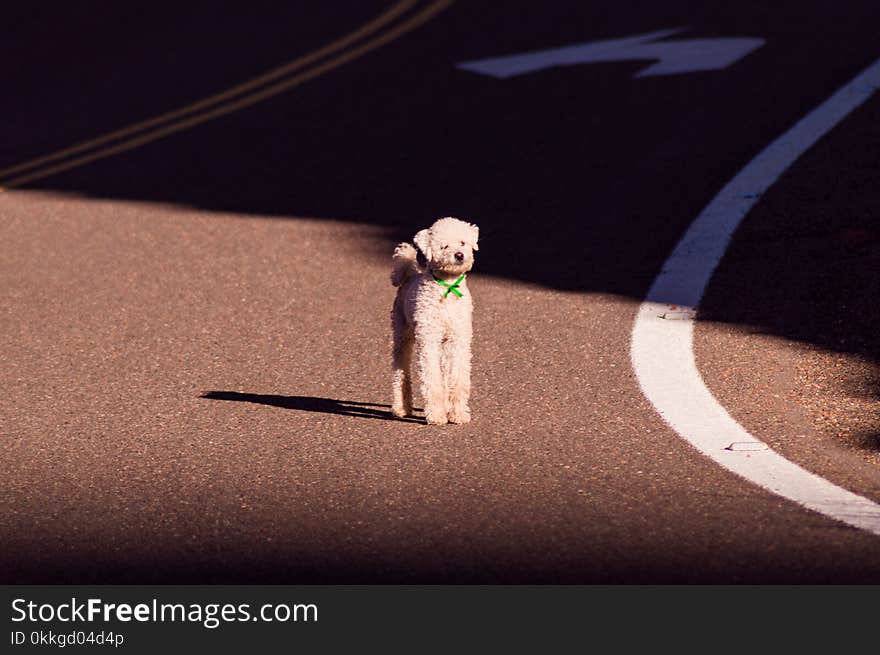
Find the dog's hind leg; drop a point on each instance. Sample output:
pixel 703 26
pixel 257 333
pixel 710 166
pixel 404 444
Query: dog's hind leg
pixel 402 402
pixel 401 365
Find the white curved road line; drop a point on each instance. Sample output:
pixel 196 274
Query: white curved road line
pixel 662 338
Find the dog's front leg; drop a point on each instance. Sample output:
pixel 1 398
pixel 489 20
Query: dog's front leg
pixel 428 345
pixel 459 377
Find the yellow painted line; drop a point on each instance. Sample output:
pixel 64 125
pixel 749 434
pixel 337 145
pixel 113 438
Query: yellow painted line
pixel 366 29
pixel 406 26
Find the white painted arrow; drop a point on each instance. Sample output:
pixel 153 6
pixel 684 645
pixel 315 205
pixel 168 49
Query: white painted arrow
pixel 683 56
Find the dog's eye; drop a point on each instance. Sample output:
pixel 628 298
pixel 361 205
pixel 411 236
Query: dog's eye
pixel 462 243
pixel 445 247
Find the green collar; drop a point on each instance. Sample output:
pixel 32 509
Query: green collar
pixel 453 286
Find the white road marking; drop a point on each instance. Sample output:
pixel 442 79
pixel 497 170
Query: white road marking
pixel 683 56
pixel 662 350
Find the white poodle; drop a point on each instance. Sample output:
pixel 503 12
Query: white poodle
pixel 432 313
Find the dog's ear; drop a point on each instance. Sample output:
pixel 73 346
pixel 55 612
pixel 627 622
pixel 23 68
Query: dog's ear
pixel 475 231
pixel 423 242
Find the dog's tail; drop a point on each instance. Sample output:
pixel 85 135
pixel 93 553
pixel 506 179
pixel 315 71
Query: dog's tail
pixel 405 264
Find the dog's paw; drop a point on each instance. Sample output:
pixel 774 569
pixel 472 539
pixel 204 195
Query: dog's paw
pixel 435 418
pixel 459 415
pixel 399 412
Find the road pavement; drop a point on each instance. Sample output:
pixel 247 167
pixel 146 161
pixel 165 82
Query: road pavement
pixel 194 329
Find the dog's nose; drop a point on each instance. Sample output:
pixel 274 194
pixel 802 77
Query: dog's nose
pixel 459 256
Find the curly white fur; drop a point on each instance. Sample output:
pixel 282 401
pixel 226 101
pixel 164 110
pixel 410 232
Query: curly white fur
pixel 433 323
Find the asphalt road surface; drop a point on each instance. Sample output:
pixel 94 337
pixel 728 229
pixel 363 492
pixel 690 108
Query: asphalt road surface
pixel 194 331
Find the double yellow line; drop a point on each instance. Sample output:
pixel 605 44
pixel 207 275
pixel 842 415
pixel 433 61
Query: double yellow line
pixel 401 18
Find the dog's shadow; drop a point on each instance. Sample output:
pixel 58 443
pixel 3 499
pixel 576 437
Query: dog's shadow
pixel 312 404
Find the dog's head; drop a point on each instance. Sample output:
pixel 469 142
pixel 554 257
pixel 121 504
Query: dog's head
pixel 448 245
